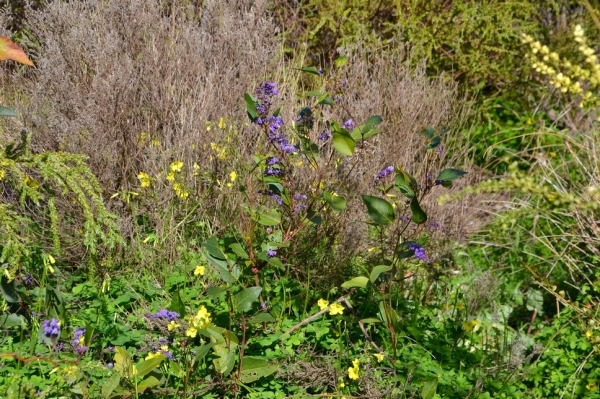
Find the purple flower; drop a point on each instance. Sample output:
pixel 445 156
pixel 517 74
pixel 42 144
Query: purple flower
pixel 165 314
pixel 267 90
pixel 320 71
pixel 384 172
pixel 51 328
pixel 60 346
pixel 418 250
pixel 337 98
pixel 39 393
pixel 78 341
pixel 404 218
pixel 111 348
pixel 28 280
pixel 440 149
pixel 325 135
pixel 271 253
pixel 435 225
pixel 110 365
pixel 269 230
pixel 263 305
pixel 343 81
pixel 349 124
pixel 272 161
pixel 300 204
pixel 273 172
pixel 438 182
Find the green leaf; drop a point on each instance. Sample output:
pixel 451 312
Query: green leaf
pixel 271 218
pixel 239 250
pixel 434 143
pixel 343 142
pixel 262 318
pixel 429 388
pixel 314 94
pixel 254 368
pixel 203 350
pixel 377 270
pixel 418 215
pixel 225 364
pixel 429 132
pixel 337 202
pixel 176 369
pixel 450 174
pixel 109 385
pixel 177 304
pixel 340 61
pixel 251 106
pixel 380 211
pixel 371 320
pixel 5 111
pixel 370 133
pixel 244 298
pixel 11 320
pixel 149 365
pixel 403 184
pixel 212 246
pixel 9 292
pixel 360 281
pixel 372 121
pixel 311 70
pixel 147 383
pixel 327 101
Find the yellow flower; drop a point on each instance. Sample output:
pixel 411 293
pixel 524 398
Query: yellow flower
pixel 191 332
pixel 152 355
pixel 199 271
pixel 336 308
pixel 353 371
pixel 341 384
pixel 222 124
pixel 144 179
pixel 176 166
pixel 588 333
pixel 155 143
pixel 323 304
pixel 180 191
pixel 201 320
pixel 233 176
pixel 171 176
pixel 379 357
pixel 592 386
pixel 172 325
pixel 470 325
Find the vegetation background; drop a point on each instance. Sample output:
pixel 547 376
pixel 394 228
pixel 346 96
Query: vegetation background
pixel 157 240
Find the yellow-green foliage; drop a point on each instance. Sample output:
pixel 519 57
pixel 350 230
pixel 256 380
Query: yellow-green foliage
pixel 31 185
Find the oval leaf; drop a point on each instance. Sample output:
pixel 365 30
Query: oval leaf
pixel 337 202
pixel 109 386
pixel 271 218
pixel 377 270
pixel 380 211
pixel 450 174
pixel 254 367
pixel 418 215
pixel 356 282
pixel 244 298
pixel 147 383
pixel 5 111
pixel 149 365
pixel 429 388
pixel 343 143
pixel 10 51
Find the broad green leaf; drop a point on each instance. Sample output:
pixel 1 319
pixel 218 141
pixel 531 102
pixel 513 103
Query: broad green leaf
pixel 271 218
pixel 377 270
pixel 11 320
pixel 8 290
pixel 434 143
pixel 311 70
pixel 5 111
pixel 372 121
pixel 212 246
pixel 429 388
pixel 147 383
pixel 9 50
pixel 177 304
pixel 239 250
pixel 314 94
pixel 314 217
pixel 370 133
pixel 251 106
pixel 276 262
pixel 254 368
pixel 109 385
pixel 176 369
pixel 404 183
pixel 340 61
pixel 203 351
pixel 360 281
pixel 123 363
pixel 327 101
pixel 371 320
pixel 262 318
pixel 343 142
pixel 337 202
pixel 450 174
pixel 244 298
pixel 149 365
pixel 225 364
pixel 418 215
pixel 380 211
pixel 429 132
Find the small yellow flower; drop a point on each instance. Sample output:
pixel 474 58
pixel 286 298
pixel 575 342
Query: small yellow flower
pixel 152 355
pixel 233 176
pixel 191 332
pixel 222 124
pixel 176 166
pixel 1 174
pixel 180 191
pixel 323 304
pixel 341 384
pixel 199 271
pixel 155 143
pixel 588 333
pixel 470 325
pixel 379 357
pixel 51 259
pixel 172 325
pixel 171 176
pixel 353 371
pixel 592 386
pixel 144 179
pixel 336 308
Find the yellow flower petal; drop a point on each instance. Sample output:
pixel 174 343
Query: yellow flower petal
pixel 336 308
pixel 323 304
pixel 199 271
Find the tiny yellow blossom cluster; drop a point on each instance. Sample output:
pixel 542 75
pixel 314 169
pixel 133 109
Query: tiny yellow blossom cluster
pixel 564 75
pixel 334 308
pixel 199 321
pixel 353 371
pixel 174 168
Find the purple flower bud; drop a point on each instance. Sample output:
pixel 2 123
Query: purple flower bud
pixel 418 250
pixel 349 124
pixel 271 253
pixel 110 365
pixel 51 328
pixel 325 135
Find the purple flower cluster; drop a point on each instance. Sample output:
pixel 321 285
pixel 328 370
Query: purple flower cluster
pixel 28 280
pixel 51 328
pixel 156 347
pixel 419 250
pixel 325 135
pixel 349 125
pixel 78 343
pixel 165 314
pixel 272 195
pixel 264 93
pixel 384 172
pixel 434 225
pixel 403 218
pixel 337 98
pixel 300 203
pixel 271 253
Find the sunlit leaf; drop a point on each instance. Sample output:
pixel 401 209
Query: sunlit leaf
pixel 418 214
pixel 377 270
pixel 245 298
pixel 254 368
pixel 11 51
pixel 343 142
pixel 380 211
pixel 337 202
pixel 360 281
pixel 450 174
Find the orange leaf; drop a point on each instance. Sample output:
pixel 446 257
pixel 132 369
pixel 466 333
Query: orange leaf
pixel 10 51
